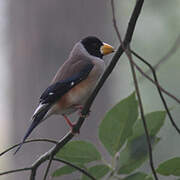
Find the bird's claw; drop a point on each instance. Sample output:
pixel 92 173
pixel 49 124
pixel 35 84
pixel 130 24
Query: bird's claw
pixel 75 130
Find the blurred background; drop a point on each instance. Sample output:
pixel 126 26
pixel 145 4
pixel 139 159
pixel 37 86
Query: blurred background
pixel 36 38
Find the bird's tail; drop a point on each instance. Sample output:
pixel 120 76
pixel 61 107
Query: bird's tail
pixel 37 119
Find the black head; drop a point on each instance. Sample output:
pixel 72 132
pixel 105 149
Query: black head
pixel 93 46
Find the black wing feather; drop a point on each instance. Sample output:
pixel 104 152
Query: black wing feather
pixel 35 122
pixel 53 93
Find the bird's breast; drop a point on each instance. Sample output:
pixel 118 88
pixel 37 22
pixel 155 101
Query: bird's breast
pixel 79 94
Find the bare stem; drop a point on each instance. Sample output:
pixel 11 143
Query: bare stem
pixel 48 167
pixel 143 117
pixel 16 170
pixel 171 51
pixel 109 69
pixel 33 174
pixel 128 53
pixel 75 167
pixel 151 80
pixel 128 37
pixel 159 90
pixel 28 141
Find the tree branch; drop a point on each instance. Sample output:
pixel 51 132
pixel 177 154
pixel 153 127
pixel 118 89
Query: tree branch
pixel 109 69
pixel 128 53
pixel 16 170
pixel 159 90
pixel 143 117
pixel 28 141
pixel 48 167
pixel 151 80
pixel 75 167
pixel 171 51
pixel 33 174
pixel 70 135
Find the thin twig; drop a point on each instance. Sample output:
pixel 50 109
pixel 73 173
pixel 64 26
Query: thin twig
pixel 33 174
pixel 51 152
pixel 128 37
pixel 139 69
pixel 48 167
pixel 109 69
pixel 159 90
pixel 114 22
pixel 151 80
pixel 28 141
pixel 143 117
pixel 16 170
pixel 75 167
pixel 128 53
pixel 172 51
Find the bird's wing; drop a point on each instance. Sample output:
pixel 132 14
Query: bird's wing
pixel 71 67
pixel 69 74
pixel 53 93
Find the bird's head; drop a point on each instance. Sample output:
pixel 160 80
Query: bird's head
pixel 96 47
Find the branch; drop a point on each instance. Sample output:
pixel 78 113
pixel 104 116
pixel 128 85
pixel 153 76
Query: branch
pixel 174 48
pixel 85 111
pixel 109 69
pixel 143 117
pixel 151 80
pixel 172 51
pixel 16 170
pixel 69 164
pixel 70 135
pixel 48 167
pixel 114 23
pixel 128 53
pixel 28 141
pixel 33 174
pixel 159 90
pixel 75 167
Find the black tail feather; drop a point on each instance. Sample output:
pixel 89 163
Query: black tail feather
pixel 37 120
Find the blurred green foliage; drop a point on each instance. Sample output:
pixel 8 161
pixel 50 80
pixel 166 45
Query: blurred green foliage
pixel 123 136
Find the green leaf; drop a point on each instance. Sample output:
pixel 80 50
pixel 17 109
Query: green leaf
pixel 138 176
pixel 63 171
pixel 117 125
pixel 79 152
pixel 97 171
pixel 136 150
pixel 170 167
pixel 134 154
pixel 66 170
pixel 154 120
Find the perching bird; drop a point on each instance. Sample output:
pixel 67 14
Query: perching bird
pixel 73 83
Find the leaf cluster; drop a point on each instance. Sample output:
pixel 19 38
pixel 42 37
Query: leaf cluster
pixel 122 134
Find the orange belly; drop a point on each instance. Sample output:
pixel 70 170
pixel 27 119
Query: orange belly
pixel 76 96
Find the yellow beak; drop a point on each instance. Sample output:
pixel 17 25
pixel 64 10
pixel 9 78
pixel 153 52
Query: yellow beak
pixel 106 49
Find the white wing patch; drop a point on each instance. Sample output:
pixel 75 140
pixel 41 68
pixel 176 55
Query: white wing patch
pixel 38 109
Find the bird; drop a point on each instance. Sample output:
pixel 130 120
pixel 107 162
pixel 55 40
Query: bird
pixel 73 83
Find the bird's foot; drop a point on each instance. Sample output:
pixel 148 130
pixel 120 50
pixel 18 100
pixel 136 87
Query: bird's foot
pixel 75 130
pixel 84 115
pixel 73 126
pixel 80 108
